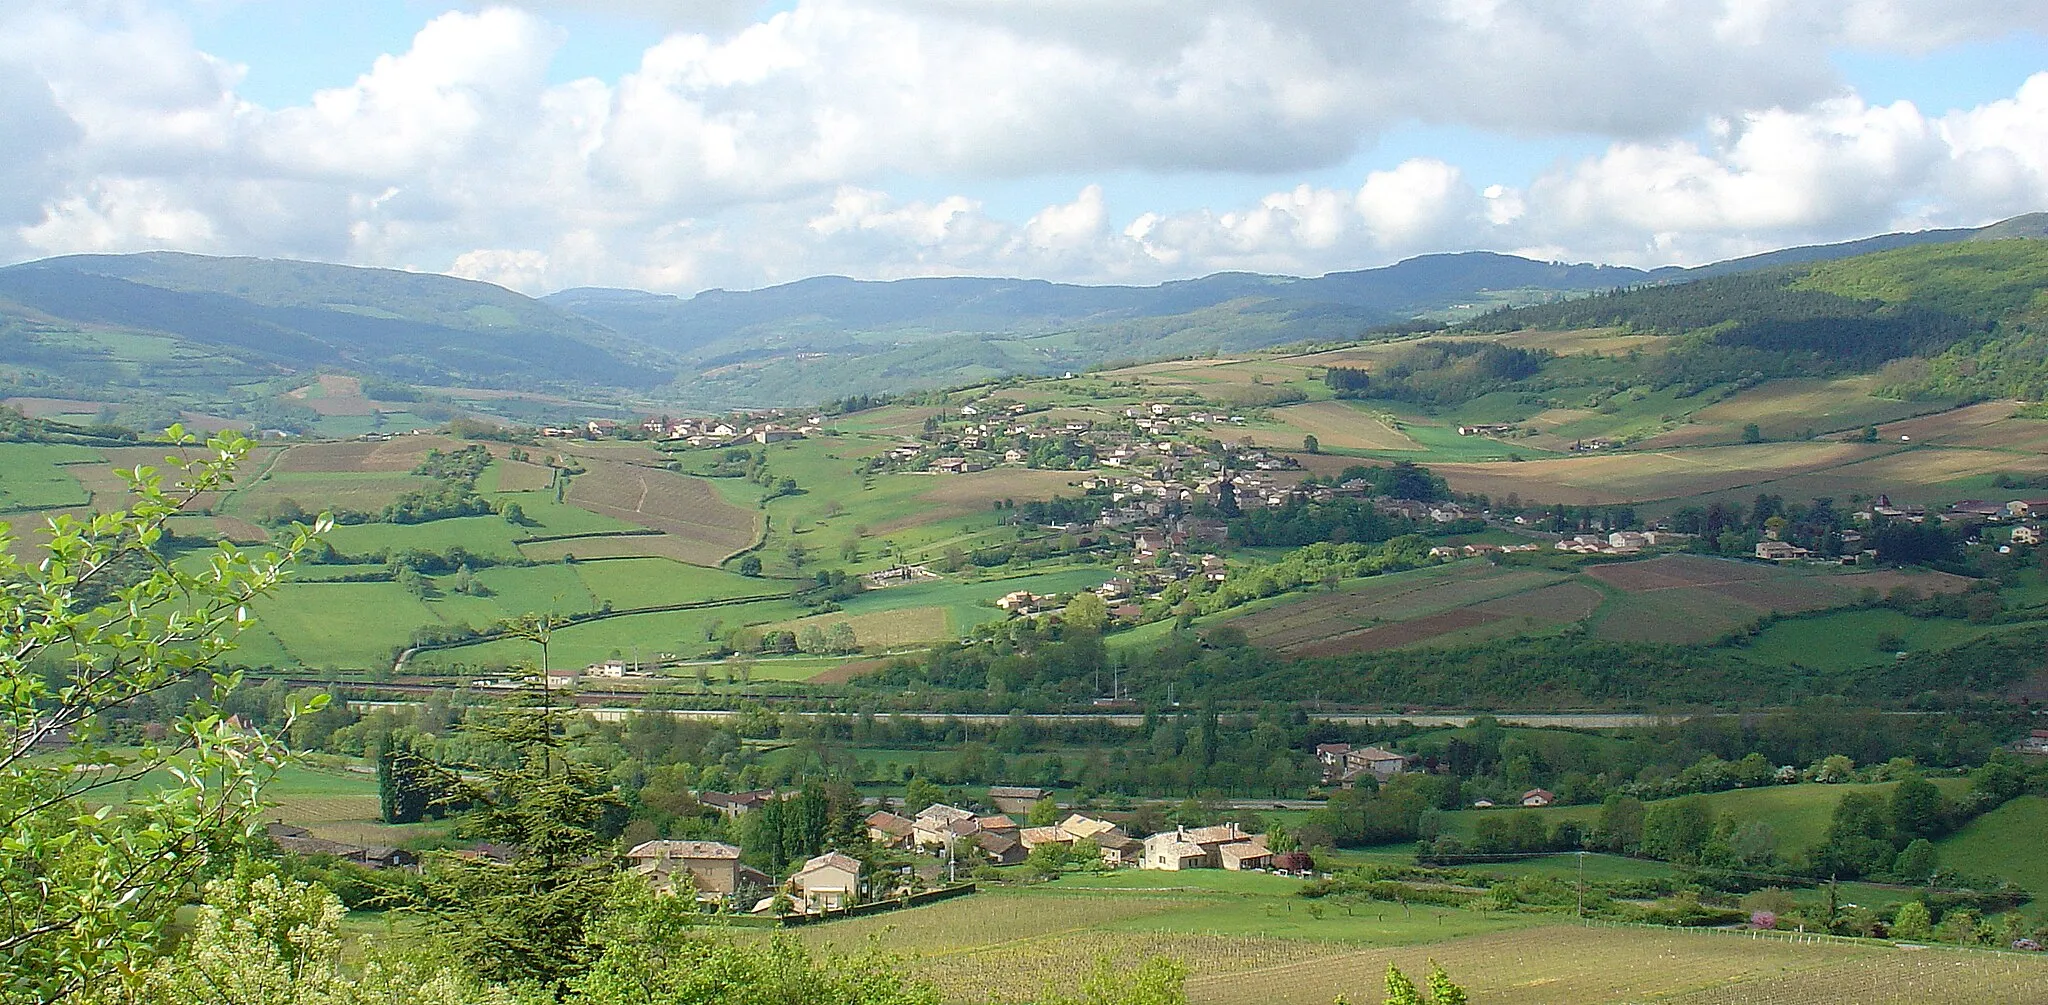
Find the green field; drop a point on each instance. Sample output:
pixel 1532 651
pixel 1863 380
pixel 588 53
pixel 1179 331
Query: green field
pixel 1798 814
pixel 1247 938
pixel 2002 843
pixel 33 476
pixel 1845 639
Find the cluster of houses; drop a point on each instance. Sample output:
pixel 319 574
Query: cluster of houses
pixel 1620 542
pixel 941 827
pixel 2020 516
pixel 772 426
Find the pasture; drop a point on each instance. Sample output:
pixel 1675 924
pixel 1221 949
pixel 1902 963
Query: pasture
pixel 1798 814
pixel 1246 938
pixel 1334 424
pixel 2002 843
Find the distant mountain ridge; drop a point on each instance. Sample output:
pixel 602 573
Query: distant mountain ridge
pixel 289 316
pixel 231 322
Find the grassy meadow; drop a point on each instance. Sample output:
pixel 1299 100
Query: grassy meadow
pixel 1248 938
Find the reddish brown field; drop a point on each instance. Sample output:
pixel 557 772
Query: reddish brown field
pixel 1558 604
pixel 1394 636
pixel 1674 571
pixel 398 454
pixel 700 527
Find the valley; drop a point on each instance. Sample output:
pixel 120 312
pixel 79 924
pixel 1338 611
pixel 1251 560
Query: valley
pixel 1548 636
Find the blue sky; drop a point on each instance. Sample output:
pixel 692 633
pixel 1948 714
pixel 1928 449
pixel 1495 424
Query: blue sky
pixel 685 145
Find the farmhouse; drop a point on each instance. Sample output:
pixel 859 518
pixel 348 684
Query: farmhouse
pixel 887 830
pixel 1375 761
pixel 1016 798
pixel 1538 797
pixel 1780 551
pixel 732 804
pixel 1222 847
pixel 713 867
pixel 829 882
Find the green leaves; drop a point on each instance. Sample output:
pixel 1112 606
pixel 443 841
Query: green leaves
pixel 88 880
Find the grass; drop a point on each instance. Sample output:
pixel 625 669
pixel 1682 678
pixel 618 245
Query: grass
pixel 32 476
pixel 1798 814
pixel 680 632
pixel 2002 843
pixel 1246 938
pixel 1845 640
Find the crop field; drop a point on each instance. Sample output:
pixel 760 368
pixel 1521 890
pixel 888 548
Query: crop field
pixel 881 629
pixel 1945 427
pixel 314 491
pixel 2024 435
pixel 1602 478
pixel 333 394
pixel 1689 599
pixel 1669 599
pixel 705 527
pixel 1569 965
pixel 1385 612
pixel 399 454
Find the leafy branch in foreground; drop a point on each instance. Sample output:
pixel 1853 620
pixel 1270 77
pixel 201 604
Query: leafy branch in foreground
pixel 88 877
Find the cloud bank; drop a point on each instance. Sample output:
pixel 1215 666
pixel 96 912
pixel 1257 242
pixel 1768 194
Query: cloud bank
pixel 740 153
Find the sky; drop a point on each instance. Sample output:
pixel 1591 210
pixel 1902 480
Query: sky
pixel 695 144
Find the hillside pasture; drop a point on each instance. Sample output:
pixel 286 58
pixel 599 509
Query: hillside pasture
pixel 516 476
pixel 1987 846
pixel 704 528
pixel 1629 476
pixel 1843 640
pixel 1334 424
